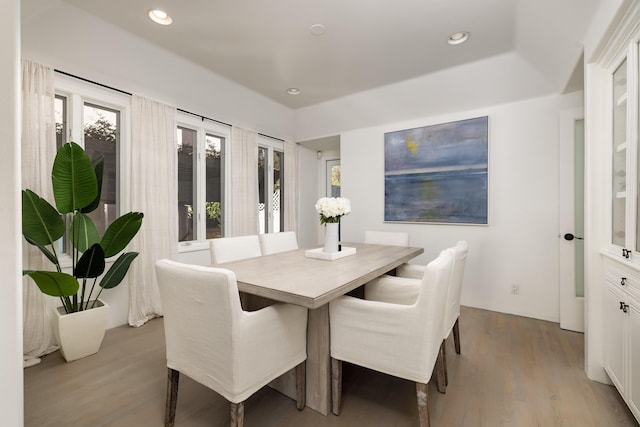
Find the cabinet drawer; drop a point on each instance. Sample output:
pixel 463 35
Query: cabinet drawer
pixel 623 278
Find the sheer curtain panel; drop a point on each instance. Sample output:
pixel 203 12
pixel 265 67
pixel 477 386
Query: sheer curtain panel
pixel 38 152
pixel 153 172
pixel 244 182
pixel 291 201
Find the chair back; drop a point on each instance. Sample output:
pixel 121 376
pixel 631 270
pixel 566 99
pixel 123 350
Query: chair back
pixel 201 315
pixel 452 311
pixel 271 243
pixel 228 249
pixel 393 238
pixel 431 305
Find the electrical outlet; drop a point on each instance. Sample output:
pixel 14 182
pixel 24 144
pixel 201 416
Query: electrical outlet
pixel 515 289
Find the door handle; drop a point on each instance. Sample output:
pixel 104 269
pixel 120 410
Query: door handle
pixel 570 236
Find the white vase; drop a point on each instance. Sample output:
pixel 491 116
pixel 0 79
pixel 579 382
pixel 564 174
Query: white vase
pixel 80 334
pixel 331 237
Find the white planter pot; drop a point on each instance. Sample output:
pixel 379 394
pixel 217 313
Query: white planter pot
pixel 80 334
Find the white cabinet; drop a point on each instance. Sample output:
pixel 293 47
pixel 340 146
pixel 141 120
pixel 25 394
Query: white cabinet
pixel 621 312
pixel 623 124
pixel 634 359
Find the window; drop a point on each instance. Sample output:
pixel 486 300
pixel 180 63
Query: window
pixel 201 178
pixel 333 178
pixel 270 185
pixel 102 138
pixel 94 118
pixel 60 104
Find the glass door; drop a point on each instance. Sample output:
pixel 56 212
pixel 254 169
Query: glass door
pixel 619 138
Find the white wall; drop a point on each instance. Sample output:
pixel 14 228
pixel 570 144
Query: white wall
pixel 11 404
pixel 520 245
pixel 491 81
pixel 309 171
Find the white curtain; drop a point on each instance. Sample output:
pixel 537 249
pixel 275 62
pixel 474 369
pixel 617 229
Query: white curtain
pixel 154 192
pixel 38 153
pixel 291 200
pixel 244 182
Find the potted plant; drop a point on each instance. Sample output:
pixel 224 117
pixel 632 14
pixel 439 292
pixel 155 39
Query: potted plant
pixel 77 183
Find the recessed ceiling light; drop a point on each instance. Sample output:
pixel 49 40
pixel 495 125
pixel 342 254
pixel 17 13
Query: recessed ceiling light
pixel 293 91
pixel 317 29
pixel 160 16
pixel 458 38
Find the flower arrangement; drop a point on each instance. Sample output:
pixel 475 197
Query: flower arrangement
pixel 332 208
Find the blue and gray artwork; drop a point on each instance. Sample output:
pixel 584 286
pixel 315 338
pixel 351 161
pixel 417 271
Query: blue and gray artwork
pixel 437 173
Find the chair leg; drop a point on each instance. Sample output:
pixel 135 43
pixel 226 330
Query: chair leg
pixel 173 377
pixel 444 362
pixel 301 385
pixel 440 371
pixel 422 393
pixel 456 335
pixel 237 414
pixel 336 385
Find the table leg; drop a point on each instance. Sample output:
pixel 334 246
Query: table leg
pixel 318 364
pixel 318 360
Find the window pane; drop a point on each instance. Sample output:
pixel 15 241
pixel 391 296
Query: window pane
pixel 619 191
pixel 278 191
pixel 335 181
pixel 262 188
pixel 186 184
pixel 60 105
pixel 213 203
pixel 60 108
pixel 101 138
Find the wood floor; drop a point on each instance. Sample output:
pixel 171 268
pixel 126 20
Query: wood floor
pixel 513 371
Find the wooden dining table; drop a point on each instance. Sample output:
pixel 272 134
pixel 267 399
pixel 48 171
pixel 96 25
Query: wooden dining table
pixel 292 277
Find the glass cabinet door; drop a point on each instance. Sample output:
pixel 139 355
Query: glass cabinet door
pixel 619 190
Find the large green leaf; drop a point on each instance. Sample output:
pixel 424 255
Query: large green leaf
pixel 98 167
pixel 41 222
pixel 91 264
pixel 120 232
pixel 54 283
pixel 84 232
pixel 74 180
pixel 118 270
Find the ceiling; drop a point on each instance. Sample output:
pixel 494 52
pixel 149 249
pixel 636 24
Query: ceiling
pixel 268 47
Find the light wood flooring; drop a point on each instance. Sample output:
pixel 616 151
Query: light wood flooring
pixel 513 371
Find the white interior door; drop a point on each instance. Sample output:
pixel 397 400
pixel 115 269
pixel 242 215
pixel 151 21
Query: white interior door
pixel 571 236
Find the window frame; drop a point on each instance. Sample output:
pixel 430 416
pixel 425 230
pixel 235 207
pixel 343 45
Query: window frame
pixel 78 93
pixel 203 128
pixel 272 145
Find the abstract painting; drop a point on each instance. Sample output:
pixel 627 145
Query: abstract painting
pixel 438 173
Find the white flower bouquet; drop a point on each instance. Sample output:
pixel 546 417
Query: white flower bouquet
pixel 332 208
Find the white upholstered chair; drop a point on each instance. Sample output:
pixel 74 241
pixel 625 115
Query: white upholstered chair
pixel 212 340
pixel 271 243
pixel 402 340
pixel 393 238
pixel 452 313
pixel 227 249
pixel 401 294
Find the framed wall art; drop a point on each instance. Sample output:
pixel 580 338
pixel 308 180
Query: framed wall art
pixel 438 173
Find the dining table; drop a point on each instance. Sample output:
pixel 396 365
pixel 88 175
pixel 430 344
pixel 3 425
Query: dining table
pixel 295 277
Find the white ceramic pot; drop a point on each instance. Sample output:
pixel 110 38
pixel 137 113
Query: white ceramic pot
pixel 331 237
pixel 80 334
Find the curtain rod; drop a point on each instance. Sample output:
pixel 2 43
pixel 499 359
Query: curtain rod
pixel 203 117
pixel 130 94
pixel 92 82
pixel 272 137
